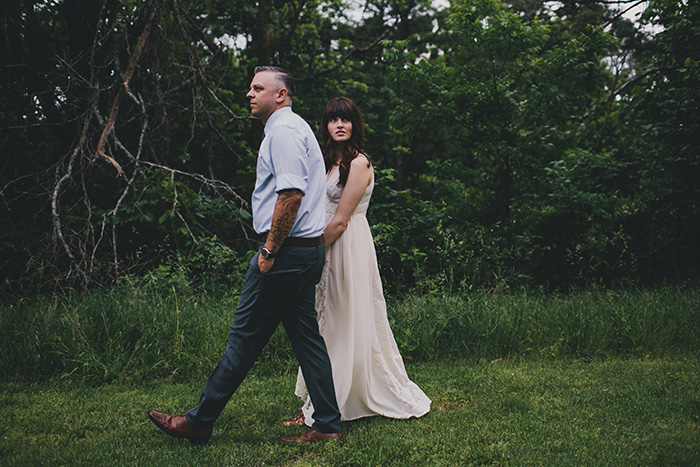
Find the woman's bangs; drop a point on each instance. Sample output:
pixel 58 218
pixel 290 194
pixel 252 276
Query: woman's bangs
pixel 340 108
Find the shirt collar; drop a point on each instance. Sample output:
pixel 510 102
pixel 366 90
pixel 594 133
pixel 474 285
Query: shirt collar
pixel 276 115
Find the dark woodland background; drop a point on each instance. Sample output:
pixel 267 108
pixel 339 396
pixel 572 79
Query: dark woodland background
pixel 527 143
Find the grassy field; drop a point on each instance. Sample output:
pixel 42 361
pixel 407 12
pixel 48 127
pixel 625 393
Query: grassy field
pixel 173 332
pixel 595 377
pixel 520 412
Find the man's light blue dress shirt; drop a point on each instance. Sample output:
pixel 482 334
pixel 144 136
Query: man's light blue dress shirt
pixel 289 158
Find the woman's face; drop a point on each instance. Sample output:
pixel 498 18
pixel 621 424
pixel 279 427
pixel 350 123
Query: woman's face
pixel 340 129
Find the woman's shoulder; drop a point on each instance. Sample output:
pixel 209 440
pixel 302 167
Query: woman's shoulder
pixel 361 169
pixel 361 160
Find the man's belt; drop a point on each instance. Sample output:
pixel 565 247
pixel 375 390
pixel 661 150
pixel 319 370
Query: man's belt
pixel 299 241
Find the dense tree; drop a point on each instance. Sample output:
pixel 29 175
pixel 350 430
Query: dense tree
pixel 528 142
pixel 122 120
pixel 527 157
pixel 656 133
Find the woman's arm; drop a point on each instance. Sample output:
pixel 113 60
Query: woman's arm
pixel 358 178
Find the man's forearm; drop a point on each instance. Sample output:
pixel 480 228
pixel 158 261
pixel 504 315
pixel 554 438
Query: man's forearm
pixel 286 209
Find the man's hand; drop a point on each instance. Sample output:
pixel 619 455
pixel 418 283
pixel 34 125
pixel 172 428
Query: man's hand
pixel 265 264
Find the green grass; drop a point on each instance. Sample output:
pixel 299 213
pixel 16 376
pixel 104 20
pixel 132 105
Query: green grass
pixel 175 332
pixel 518 412
pixel 598 377
pixel 590 323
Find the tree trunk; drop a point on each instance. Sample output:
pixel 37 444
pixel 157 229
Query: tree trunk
pixel 263 33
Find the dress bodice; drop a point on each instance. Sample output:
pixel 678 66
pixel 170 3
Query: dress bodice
pixel 335 191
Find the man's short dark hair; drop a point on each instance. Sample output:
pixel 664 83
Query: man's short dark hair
pixel 282 74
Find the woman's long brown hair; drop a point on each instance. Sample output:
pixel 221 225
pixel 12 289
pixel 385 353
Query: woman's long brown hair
pixel 344 152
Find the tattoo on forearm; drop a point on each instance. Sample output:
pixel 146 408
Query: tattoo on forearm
pixel 286 209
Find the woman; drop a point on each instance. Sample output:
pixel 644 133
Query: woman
pixel 368 372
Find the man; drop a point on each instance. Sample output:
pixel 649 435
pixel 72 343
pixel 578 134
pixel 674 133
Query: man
pixel 288 213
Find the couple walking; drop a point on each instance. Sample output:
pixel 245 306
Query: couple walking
pixel 316 253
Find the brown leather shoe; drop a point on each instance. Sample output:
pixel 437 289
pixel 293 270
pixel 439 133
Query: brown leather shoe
pixel 312 436
pixel 298 420
pixel 179 427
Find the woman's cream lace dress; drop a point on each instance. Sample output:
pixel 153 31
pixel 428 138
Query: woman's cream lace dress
pixel 368 371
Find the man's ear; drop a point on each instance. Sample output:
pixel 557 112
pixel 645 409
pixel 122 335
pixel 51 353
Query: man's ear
pixel 281 94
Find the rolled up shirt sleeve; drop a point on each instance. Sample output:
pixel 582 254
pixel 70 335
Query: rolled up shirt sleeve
pixel 290 159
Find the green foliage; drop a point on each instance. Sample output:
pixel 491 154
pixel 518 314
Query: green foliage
pixel 520 149
pixel 528 143
pixel 659 139
pixel 211 267
pixel 405 235
pixel 578 228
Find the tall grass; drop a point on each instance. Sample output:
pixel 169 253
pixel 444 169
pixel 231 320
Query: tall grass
pixel 125 334
pixel 149 332
pixel 594 322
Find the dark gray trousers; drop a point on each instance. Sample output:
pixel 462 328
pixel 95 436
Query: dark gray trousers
pixel 285 294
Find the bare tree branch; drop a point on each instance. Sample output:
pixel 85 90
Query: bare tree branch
pixel 343 59
pixel 59 184
pixel 627 84
pixel 620 13
pixel 218 184
pixel 123 90
pixel 633 80
pixel 94 222
pixel 293 23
